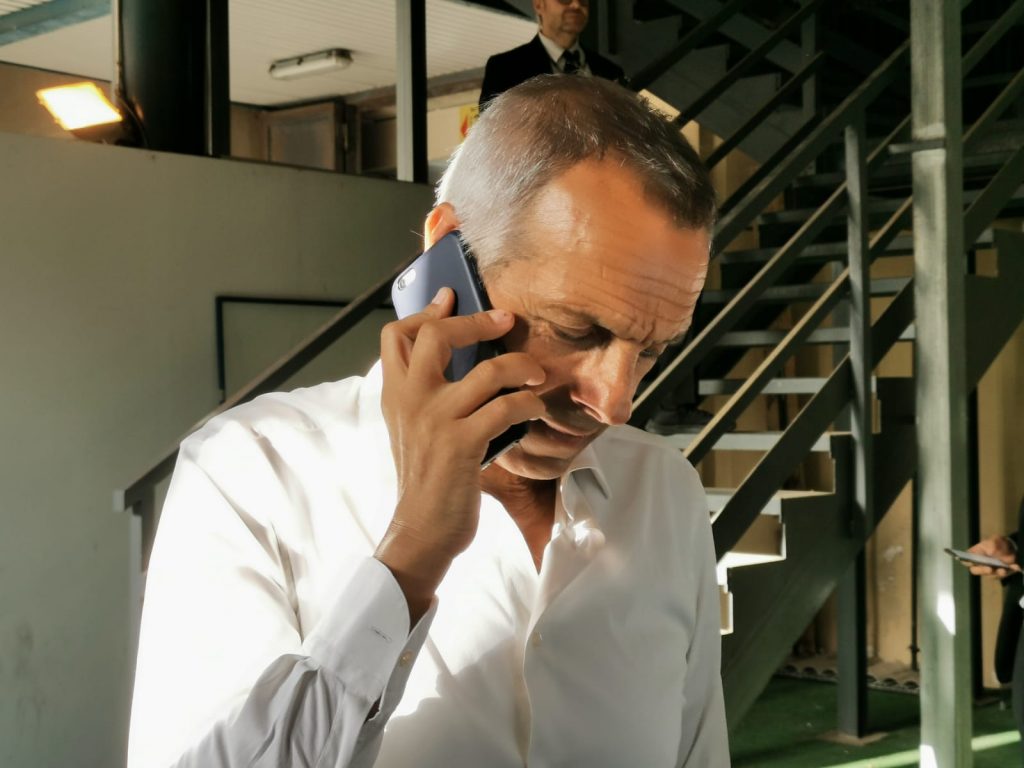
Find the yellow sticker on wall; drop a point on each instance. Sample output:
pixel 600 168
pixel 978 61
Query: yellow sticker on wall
pixel 468 115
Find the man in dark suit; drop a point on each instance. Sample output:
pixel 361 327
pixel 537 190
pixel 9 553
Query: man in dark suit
pixel 555 49
pixel 1010 639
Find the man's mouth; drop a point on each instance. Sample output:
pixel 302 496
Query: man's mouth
pixel 570 432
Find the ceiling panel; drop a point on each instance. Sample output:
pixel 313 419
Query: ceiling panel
pixel 459 37
pixel 9 6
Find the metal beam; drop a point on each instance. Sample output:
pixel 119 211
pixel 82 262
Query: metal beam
pixel 411 90
pixel 941 394
pixel 49 17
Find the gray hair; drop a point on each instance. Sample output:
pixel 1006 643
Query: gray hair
pixel 533 133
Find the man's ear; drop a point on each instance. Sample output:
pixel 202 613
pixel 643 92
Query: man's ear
pixel 439 223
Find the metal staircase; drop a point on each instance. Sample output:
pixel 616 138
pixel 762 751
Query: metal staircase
pixel 782 550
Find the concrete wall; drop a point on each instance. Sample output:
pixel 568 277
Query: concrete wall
pixel 110 260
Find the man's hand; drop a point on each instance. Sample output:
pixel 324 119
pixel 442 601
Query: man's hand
pixel 1000 548
pixel 439 434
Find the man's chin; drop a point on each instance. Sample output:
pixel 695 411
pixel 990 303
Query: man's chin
pixel 544 453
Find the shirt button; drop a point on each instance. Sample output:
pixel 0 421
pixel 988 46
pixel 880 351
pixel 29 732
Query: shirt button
pixel 405 659
pixel 536 639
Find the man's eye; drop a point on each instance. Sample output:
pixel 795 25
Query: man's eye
pixel 573 335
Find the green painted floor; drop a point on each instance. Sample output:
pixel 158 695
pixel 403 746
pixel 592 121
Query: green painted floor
pixel 785 727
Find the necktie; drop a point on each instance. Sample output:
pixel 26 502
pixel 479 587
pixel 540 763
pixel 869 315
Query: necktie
pixel 570 62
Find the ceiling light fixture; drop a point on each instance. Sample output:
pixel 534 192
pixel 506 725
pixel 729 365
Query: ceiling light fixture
pixel 330 60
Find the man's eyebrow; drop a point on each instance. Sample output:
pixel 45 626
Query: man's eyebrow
pixel 679 338
pixel 589 319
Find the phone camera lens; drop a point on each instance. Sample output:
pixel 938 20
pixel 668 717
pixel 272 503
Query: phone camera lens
pixel 401 284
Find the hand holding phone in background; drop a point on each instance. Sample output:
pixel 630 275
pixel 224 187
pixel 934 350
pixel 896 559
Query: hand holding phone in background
pixel 994 556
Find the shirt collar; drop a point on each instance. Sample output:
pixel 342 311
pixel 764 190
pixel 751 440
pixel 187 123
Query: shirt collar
pixel 555 51
pixel 584 493
pixel 586 469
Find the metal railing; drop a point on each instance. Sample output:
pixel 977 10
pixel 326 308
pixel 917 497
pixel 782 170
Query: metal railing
pixel 818 414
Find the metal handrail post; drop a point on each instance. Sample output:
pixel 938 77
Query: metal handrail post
pixel 851 693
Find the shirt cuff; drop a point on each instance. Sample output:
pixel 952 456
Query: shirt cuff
pixel 364 639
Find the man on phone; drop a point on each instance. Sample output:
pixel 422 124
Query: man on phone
pixel 335 582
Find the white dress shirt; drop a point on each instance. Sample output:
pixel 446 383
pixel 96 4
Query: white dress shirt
pixel 269 631
pixel 555 51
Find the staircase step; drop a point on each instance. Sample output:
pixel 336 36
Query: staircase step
pixel 763 544
pixel 787 293
pixel 797 385
pixel 717 498
pixel 902 245
pixel 744 441
pixel 876 206
pixel 790 385
pixel 772 338
pixel 725 610
pixel 897 173
pixel 742 560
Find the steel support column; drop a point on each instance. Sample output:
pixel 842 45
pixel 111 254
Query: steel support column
pixel 852 690
pixel 173 73
pixel 411 89
pixel 852 662
pixel 941 376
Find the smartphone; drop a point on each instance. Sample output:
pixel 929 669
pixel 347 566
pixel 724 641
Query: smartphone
pixel 975 559
pixel 450 264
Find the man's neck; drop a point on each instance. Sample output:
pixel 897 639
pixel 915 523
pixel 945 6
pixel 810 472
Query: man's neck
pixel 521 496
pixel 530 504
pixel 564 39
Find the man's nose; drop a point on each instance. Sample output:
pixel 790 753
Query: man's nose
pixel 605 386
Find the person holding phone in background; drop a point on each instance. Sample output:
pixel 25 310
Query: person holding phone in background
pixel 336 582
pixel 1009 658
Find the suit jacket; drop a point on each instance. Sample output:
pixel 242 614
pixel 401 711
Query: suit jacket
pixel 1009 633
pixel 508 69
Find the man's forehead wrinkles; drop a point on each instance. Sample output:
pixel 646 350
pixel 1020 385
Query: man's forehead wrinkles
pixel 624 325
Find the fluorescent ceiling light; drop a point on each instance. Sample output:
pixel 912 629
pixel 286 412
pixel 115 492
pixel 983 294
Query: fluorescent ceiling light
pixel 310 64
pixel 81 105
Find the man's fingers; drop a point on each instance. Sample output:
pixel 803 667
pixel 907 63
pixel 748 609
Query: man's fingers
pixel 1001 573
pixel 397 337
pixel 436 339
pixel 509 371
pixel 494 417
